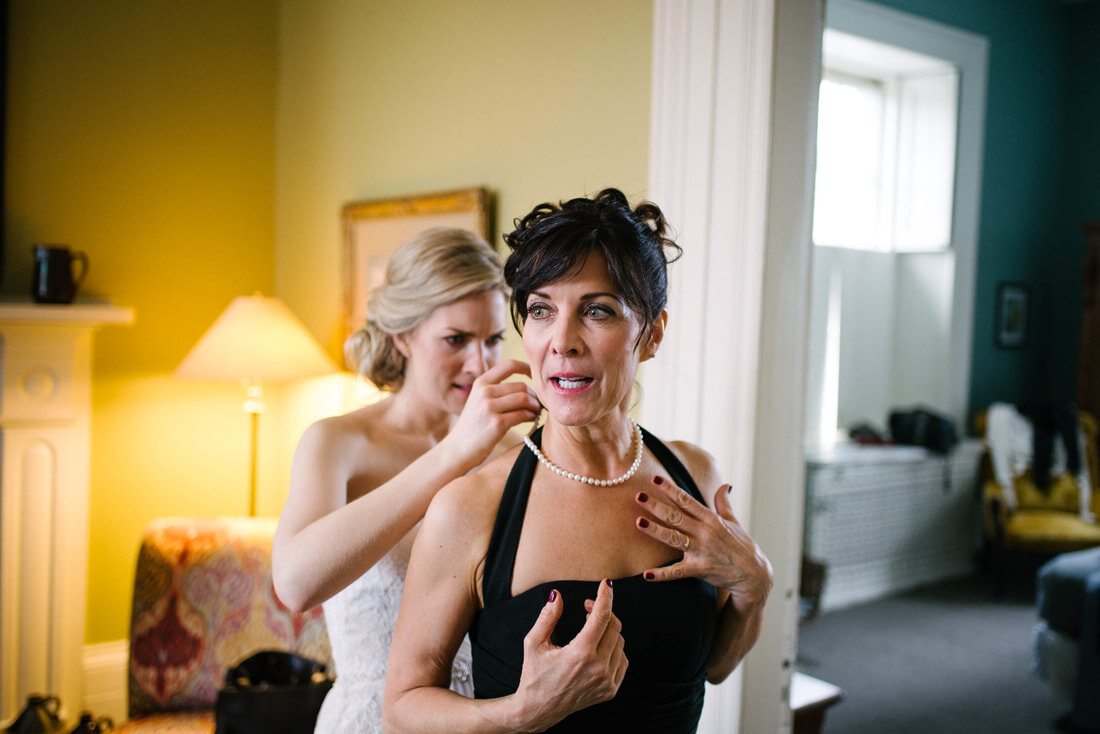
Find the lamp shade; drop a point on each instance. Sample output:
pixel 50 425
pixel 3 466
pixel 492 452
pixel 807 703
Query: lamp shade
pixel 259 339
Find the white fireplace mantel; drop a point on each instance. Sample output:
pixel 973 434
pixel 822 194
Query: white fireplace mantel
pixel 45 420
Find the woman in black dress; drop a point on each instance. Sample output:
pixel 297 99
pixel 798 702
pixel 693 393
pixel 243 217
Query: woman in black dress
pixel 600 573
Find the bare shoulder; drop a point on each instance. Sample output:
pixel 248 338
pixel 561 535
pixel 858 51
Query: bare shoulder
pixel 347 434
pixel 459 522
pixel 701 465
pixel 460 517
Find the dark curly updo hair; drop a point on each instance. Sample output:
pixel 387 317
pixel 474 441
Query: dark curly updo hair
pixel 554 241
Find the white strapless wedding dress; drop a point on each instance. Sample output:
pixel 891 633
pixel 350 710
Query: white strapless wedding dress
pixel 360 621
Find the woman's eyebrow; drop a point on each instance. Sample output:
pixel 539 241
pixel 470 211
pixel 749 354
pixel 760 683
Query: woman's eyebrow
pixel 584 297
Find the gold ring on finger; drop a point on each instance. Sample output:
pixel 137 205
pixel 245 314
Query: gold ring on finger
pixel 687 542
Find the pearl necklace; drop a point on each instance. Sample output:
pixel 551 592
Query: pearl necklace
pixel 590 480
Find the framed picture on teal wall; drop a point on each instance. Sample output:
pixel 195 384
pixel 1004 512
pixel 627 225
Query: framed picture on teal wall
pixel 1013 307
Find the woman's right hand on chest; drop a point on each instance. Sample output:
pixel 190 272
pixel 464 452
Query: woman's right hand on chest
pixel 557 681
pixel 492 409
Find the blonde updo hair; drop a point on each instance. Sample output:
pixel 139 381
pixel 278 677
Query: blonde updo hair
pixel 436 267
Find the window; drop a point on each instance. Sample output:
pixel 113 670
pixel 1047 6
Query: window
pixel 848 206
pixel 887 121
pixel 891 324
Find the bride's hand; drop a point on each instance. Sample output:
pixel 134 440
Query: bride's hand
pixel 716 548
pixel 492 408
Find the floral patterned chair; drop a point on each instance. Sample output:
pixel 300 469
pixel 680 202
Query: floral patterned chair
pixel 203 601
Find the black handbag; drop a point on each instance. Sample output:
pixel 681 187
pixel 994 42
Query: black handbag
pixel 39 716
pixel 271 692
pixel 920 427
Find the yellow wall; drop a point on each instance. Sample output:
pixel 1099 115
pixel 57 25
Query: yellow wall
pixel 202 150
pixel 144 133
pixel 536 100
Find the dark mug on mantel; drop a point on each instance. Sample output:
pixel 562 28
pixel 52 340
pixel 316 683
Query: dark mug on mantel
pixel 55 278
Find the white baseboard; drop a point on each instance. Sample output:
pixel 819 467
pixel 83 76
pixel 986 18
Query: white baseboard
pixel 105 679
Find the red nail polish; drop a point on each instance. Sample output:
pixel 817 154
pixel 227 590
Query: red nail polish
pixel 648 575
pixel 553 595
pixel 643 497
pixel 609 583
pixel 643 523
pixel 658 480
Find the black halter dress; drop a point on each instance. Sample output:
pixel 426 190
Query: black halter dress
pixel 668 626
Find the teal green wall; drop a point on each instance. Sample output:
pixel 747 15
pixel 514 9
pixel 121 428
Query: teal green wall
pixel 1040 179
pixel 1083 131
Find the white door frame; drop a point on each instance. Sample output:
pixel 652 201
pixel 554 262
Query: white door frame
pixel 733 119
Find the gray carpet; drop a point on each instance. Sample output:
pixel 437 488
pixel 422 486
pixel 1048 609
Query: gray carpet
pixel 944 659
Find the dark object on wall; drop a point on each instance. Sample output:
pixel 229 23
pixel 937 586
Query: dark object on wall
pixel 921 427
pixel 271 692
pixel 1013 314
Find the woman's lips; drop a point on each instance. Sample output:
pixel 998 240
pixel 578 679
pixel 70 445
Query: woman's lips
pixel 570 385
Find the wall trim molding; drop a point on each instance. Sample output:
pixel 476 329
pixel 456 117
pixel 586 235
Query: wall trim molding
pixel 105 666
pixel 732 121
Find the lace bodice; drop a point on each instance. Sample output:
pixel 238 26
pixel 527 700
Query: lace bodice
pixel 360 621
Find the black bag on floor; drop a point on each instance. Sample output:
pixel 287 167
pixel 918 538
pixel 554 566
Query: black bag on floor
pixel 920 427
pixel 271 692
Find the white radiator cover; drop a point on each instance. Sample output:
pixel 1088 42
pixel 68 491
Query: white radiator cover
pixel 889 519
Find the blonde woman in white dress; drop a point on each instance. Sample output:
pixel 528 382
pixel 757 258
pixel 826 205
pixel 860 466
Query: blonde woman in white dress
pixel 361 481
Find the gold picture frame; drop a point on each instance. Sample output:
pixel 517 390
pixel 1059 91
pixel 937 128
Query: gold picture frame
pixel 374 229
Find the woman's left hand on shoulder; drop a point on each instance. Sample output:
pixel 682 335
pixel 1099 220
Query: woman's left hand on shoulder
pixel 716 548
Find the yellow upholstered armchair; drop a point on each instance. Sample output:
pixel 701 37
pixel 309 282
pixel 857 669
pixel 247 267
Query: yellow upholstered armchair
pixel 1024 518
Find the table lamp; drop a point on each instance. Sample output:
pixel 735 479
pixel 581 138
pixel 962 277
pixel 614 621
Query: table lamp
pixel 255 340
